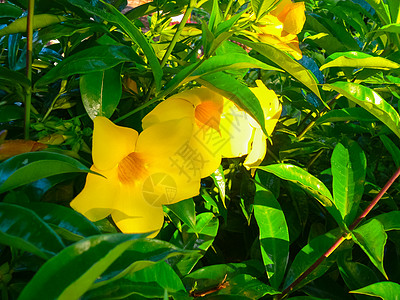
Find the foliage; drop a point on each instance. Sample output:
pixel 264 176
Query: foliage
pixel 243 237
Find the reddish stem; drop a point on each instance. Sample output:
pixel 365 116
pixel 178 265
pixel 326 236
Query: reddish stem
pixel 342 238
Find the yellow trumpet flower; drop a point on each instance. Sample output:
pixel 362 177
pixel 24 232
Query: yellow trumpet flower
pixel 139 174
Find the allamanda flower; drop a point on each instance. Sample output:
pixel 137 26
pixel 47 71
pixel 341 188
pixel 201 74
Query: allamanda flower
pixel 138 174
pixel 280 27
pixel 244 135
pixel 220 127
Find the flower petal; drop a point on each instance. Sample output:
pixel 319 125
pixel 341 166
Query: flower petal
pixel 236 131
pixel 167 110
pixel 111 143
pixel 164 139
pixel 96 200
pixel 293 17
pixel 198 95
pixel 167 184
pixel 133 214
pixel 258 150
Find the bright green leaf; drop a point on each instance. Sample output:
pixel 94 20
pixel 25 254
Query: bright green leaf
pixel 369 100
pixel 286 63
pixel 349 165
pixel 274 234
pixel 185 211
pixel 71 273
pixel 308 182
pixel 390 220
pixel 371 237
pixel 386 290
pixel 39 21
pixel 357 60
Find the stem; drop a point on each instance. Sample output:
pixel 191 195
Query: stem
pixel 312 123
pixel 177 34
pixel 29 47
pixel 342 238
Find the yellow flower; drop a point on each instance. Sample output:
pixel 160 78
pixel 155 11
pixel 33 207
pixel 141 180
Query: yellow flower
pixel 280 27
pixel 242 134
pixel 203 107
pixel 139 175
pixel 220 127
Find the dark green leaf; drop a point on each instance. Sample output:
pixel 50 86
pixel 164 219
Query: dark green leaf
pixel 8 10
pixel 308 255
pixel 98 58
pixel 130 29
pixel 392 148
pixel 23 229
pixel 308 182
pixel 64 217
pixel 29 167
pixel 101 92
pixel 15 77
pixel 10 113
pixel 371 101
pixel 80 265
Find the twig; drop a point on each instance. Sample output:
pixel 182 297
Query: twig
pixel 29 47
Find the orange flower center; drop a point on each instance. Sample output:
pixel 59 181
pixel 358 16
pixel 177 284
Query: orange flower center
pixel 132 168
pixel 208 113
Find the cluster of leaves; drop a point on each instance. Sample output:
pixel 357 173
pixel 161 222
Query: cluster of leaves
pixel 243 237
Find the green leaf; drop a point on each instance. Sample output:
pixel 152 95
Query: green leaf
pixel 10 113
pixel 347 114
pixel 97 58
pixel 218 63
pixel 354 274
pixel 308 183
pixel 371 237
pixel 199 239
pixel 381 9
pixel 236 279
pixel 274 234
pixel 309 255
pixel 185 211
pixel 261 7
pixel 390 220
pixel 8 10
pixel 39 21
pixel 392 148
pixel 386 290
pixel 357 60
pixel 349 164
pixel 15 77
pixel 390 28
pixel 369 100
pixel 29 167
pixel 215 17
pixel 23 229
pixel 394 9
pixel 237 92
pixel 130 29
pixel 233 61
pixel 286 63
pixel 79 266
pixel 64 217
pixel 101 92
